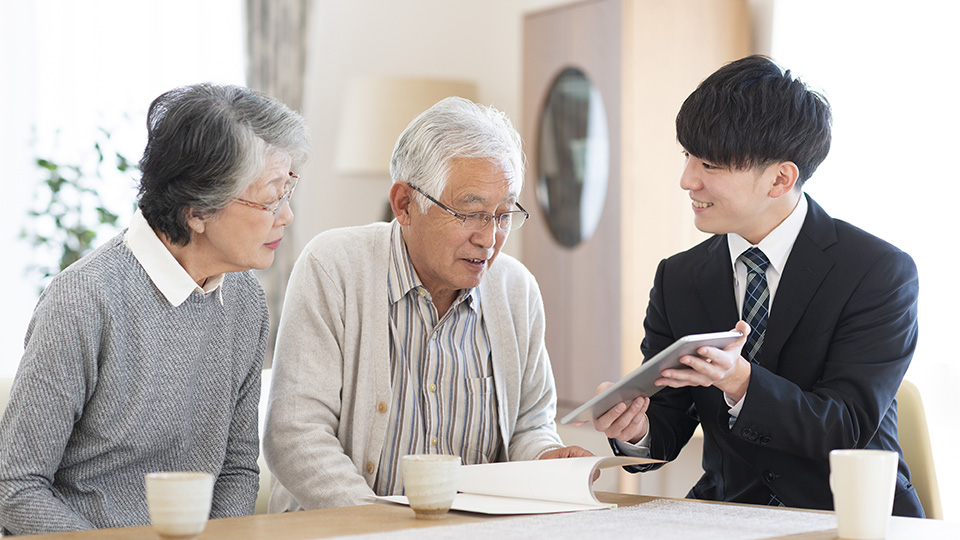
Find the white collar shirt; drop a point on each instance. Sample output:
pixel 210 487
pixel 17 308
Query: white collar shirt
pixel 170 278
pixel 777 246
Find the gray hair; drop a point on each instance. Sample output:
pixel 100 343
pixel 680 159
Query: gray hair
pixel 206 144
pixel 454 128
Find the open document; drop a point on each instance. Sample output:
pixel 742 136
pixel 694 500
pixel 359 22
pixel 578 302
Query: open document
pixel 531 487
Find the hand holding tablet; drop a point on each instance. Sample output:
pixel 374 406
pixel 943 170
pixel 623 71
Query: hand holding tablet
pixel 640 382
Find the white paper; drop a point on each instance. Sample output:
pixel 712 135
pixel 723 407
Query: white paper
pixel 531 487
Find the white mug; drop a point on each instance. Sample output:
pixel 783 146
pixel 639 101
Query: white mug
pixel 430 483
pixel 179 502
pixel 863 484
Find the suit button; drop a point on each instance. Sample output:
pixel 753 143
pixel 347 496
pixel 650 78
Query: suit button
pixel 764 440
pixel 370 467
pixel 382 407
pixel 770 476
pixel 749 434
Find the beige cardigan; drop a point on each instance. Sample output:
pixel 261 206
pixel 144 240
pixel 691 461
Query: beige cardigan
pixel 325 424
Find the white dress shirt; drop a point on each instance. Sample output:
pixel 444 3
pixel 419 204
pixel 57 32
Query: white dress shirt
pixel 777 246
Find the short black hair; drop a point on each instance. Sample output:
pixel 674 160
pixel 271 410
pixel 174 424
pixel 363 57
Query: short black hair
pixel 751 113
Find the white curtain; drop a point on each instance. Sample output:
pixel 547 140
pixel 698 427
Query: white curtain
pixel 276 59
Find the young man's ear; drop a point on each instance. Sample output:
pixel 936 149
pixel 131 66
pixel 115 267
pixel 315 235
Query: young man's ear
pixel 787 174
pixel 401 197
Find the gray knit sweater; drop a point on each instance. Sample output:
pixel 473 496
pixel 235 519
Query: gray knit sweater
pixel 116 382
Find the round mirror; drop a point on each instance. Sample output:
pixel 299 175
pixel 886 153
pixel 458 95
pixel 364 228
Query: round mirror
pixel 573 158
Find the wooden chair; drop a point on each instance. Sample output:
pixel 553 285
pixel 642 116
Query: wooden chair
pixel 917 452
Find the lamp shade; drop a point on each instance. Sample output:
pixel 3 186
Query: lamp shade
pixel 376 111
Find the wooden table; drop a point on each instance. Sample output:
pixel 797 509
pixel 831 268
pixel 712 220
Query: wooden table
pixel 374 518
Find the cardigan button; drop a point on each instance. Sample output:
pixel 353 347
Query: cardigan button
pixel 370 467
pixel 382 407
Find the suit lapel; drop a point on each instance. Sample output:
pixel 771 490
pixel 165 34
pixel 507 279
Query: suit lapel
pixel 715 273
pixel 805 270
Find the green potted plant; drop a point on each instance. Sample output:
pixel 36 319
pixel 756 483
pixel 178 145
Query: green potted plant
pixel 69 212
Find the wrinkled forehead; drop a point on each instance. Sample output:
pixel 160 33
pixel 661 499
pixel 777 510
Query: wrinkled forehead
pixel 479 180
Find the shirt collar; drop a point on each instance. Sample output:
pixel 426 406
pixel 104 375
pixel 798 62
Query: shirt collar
pixel 161 267
pixel 776 245
pixel 402 278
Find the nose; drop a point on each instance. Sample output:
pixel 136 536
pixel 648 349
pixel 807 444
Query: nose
pixel 688 178
pixel 486 237
pixel 285 216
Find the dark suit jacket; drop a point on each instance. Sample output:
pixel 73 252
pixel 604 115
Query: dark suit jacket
pixel 841 333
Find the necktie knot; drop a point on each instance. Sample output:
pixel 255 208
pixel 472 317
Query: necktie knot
pixel 755 260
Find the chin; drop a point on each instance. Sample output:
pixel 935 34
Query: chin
pixel 262 264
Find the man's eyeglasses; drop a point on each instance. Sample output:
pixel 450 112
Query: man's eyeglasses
pixel 275 206
pixel 477 221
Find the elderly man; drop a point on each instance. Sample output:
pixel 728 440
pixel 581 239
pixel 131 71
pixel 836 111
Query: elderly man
pixel 405 337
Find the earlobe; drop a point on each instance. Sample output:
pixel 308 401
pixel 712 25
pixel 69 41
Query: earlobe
pixel 786 179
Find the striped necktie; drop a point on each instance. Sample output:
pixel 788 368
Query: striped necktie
pixel 756 300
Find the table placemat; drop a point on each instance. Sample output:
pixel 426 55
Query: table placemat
pixel 654 520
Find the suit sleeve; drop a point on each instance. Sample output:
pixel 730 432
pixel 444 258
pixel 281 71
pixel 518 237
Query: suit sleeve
pixel 864 361
pixel 300 437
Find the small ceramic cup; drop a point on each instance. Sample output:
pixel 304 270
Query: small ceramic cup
pixel 179 502
pixel 863 484
pixel 430 483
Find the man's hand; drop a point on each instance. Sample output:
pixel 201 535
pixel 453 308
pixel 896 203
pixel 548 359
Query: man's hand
pixel 623 422
pixel 723 368
pixel 570 451
pixel 566 452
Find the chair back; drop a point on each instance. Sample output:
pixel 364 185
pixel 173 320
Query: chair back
pixel 5 384
pixel 266 479
pixel 917 452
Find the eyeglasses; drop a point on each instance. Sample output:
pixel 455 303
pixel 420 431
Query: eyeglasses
pixel 275 206
pixel 477 221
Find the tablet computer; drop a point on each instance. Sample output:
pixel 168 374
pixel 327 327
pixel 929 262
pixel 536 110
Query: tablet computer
pixel 640 381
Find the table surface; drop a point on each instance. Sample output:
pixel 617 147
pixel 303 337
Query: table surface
pixel 377 518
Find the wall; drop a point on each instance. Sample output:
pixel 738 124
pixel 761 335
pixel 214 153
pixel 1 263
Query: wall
pixel 426 38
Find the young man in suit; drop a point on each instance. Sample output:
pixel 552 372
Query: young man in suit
pixel 829 312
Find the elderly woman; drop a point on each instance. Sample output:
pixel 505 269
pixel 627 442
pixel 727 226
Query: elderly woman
pixel 146 354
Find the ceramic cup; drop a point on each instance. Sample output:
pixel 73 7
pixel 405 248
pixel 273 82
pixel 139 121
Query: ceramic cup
pixel 863 483
pixel 430 483
pixel 179 502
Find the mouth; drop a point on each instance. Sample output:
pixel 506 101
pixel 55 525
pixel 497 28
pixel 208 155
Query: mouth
pixel 698 204
pixel 478 263
pixel 274 245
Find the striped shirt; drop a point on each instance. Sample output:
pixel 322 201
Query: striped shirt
pixel 443 398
